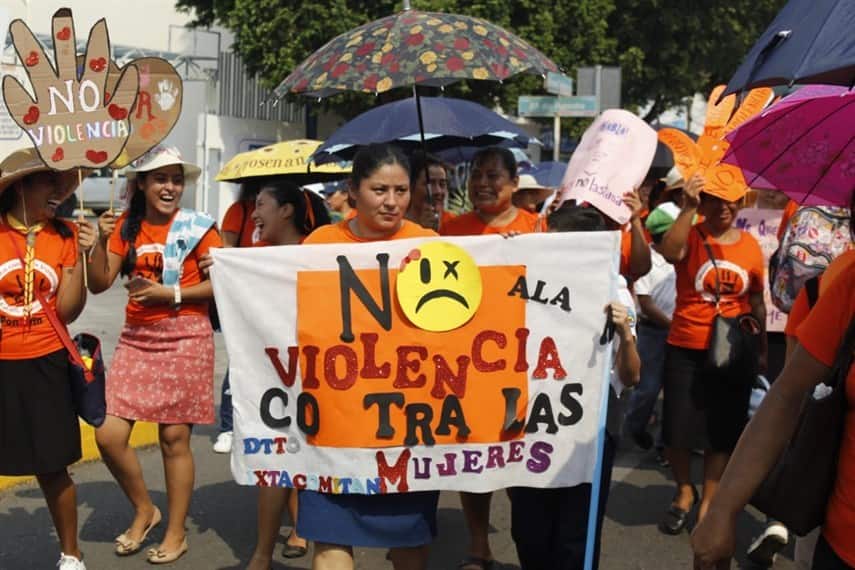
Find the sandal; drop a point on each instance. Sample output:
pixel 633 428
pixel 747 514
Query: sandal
pixel 126 546
pixel 158 556
pixel 676 518
pixel 292 550
pixel 476 563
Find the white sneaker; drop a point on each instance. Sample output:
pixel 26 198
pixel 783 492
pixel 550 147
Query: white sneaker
pixel 763 550
pixel 67 562
pixel 224 442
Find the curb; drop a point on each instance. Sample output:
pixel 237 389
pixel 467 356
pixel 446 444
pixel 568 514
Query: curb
pixel 144 434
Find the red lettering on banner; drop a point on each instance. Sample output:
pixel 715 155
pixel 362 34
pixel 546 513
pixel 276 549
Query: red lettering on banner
pixel 405 364
pixel 478 361
pixel 395 473
pixel 548 358
pixel 289 376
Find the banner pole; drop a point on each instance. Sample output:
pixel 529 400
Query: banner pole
pixel 81 218
pixel 593 508
pixel 113 188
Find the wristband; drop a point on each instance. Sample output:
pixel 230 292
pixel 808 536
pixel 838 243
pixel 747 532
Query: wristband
pixel 177 299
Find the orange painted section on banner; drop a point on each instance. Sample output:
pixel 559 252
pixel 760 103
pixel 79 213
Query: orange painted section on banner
pixel 485 356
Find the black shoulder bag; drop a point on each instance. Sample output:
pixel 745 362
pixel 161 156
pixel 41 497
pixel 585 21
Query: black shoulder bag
pixel 796 490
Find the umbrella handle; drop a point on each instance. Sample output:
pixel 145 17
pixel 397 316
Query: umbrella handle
pixel 422 138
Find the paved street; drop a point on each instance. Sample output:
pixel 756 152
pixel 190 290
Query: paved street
pixel 221 525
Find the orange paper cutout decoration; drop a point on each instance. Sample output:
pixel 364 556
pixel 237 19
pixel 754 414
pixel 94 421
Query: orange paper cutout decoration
pixel 704 156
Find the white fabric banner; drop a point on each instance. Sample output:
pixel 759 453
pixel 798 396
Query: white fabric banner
pixel 468 364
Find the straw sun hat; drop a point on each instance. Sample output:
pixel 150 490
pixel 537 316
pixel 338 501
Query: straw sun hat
pixel 21 163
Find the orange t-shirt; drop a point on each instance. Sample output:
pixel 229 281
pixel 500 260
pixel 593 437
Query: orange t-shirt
pixel 801 308
pixel 22 336
pixel 150 243
pixel 626 254
pixel 445 219
pixel 341 233
pixel 821 335
pixel 470 224
pixel 740 269
pixel 237 212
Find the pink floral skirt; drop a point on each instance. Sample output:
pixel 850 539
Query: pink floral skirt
pixel 164 372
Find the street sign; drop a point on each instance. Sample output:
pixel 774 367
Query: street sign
pixel 544 106
pixel 600 80
pixel 559 84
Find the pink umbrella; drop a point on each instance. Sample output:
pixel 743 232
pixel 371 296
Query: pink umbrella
pixel 804 146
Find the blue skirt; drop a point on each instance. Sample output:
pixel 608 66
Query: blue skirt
pixel 378 521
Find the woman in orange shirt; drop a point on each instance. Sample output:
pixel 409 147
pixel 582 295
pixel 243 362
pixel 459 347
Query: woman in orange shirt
pixel 820 338
pixel 39 430
pixel 404 523
pixel 492 182
pixel 163 367
pixel 703 409
pixel 283 214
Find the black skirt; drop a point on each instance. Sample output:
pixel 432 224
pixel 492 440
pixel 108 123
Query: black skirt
pixel 702 410
pixel 39 430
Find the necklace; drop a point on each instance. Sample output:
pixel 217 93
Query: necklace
pixel 29 257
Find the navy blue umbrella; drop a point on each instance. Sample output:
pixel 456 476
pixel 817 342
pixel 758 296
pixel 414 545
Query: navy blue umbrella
pixel 549 173
pixel 448 123
pixel 810 41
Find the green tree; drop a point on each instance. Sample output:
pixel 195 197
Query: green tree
pixel 668 49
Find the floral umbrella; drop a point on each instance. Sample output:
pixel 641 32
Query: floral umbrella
pixel 414 48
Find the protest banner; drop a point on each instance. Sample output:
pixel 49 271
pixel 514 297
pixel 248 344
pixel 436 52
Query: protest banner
pixel 763 225
pixel 469 363
pixel 613 158
pixel 81 110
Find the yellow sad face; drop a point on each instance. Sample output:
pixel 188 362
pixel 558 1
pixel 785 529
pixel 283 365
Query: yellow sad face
pixel 439 287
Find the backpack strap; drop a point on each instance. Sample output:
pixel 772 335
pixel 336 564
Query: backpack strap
pixel 812 289
pixel 715 265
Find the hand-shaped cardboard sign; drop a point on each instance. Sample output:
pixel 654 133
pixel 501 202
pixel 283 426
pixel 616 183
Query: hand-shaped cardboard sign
pixel 722 180
pixel 85 111
pixel 157 107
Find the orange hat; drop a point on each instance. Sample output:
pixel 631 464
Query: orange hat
pixel 723 181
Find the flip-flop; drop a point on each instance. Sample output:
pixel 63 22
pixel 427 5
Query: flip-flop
pixel 126 546
pixel 476 563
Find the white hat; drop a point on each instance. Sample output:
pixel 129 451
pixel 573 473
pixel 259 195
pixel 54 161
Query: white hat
pixel 161 156
pixel 530 183
pixel 673 179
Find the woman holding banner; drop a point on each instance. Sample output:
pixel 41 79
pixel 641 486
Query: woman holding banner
pixel 405 523
pixel 282 214
pixel 492 183
pixel 39 430
pixel 719 272
pixel 163 367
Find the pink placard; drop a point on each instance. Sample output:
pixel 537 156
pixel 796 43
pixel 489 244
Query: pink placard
pixel 613 158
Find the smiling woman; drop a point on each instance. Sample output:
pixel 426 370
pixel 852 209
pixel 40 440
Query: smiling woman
pixel 41 270
pixel 164 364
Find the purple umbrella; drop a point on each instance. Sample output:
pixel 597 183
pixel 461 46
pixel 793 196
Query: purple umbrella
pixel 803 146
